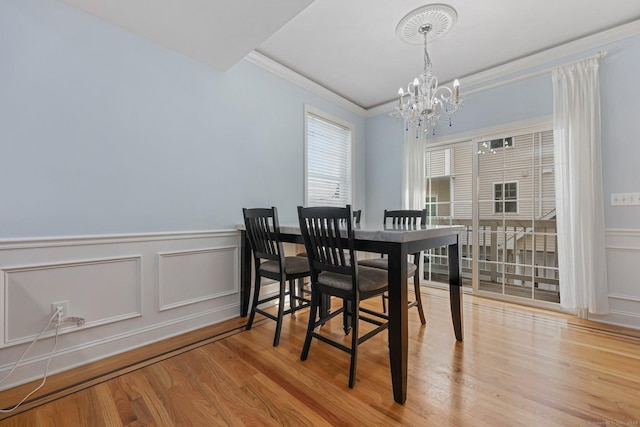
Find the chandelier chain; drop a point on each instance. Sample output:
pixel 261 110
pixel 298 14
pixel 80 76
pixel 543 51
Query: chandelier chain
pixel 427 59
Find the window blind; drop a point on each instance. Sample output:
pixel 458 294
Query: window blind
pixel 328 162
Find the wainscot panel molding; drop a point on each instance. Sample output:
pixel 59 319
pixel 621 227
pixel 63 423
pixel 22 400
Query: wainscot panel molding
pixel 623 259
pixel 185 277
pixel 132 290
pixel 115 282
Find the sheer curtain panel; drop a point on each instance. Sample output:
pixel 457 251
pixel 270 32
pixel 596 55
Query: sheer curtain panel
pixel 580 201
pixel 414 176
pixel 414 191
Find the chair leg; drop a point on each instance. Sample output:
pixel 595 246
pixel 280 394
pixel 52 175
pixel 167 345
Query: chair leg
pixel 384 303
pixel 325 306
pixel 354 342
pixel 301 287
pixel 283 290
pixel 346 316
pixel 315 302
pixel 293 302
pixel 254 304
pixel 416 287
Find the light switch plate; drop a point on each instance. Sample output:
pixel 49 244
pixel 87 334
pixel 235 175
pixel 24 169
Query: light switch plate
pixel 625 199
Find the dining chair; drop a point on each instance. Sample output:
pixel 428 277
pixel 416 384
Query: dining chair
pixel 411 219
pixel 263 230
pixel 329 241
pixel 356 221
pixel 357 214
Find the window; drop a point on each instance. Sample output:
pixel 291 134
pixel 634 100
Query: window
pixel 328 159
pixel 501 143
pixel 432 205
pixel 506 197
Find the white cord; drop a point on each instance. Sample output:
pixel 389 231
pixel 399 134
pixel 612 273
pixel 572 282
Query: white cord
pixel 58 313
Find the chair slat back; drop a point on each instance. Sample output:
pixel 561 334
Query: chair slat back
pixel 327 234
pixel 356 216
pixel 405 218
pixel 263 231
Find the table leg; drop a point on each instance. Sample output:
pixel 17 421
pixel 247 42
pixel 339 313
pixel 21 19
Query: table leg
pixel 245 273
pixel 455 288
pixel 398 321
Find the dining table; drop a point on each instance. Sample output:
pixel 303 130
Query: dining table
pixel 397 243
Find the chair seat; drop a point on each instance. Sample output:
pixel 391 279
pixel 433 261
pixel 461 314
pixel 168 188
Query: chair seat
pixel 383 263
pixel 369 279
pixel 292 265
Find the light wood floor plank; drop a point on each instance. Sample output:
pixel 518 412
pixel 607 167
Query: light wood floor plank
pixel 518 366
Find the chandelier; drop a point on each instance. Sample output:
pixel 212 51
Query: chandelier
pixel 425 104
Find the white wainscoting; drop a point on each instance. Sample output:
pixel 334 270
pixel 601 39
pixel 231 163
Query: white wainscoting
pixel 623 271
pixel 187 277
pixel 131 290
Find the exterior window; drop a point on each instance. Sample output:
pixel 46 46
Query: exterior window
pixel 432 206
pixel 501 143
pixel 505 197
pixel 328 159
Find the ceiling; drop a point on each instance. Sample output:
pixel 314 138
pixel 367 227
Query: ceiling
pixel 218 33
pixel 350 46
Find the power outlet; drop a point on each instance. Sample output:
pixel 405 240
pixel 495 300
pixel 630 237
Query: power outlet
pixel 64 305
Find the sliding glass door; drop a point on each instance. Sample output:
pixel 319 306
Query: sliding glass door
pixel 501 189
pixel 449 202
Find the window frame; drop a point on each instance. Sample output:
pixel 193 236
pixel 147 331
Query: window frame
pixel 502 202
pixel 432 205
pixel 309 110
pixel 506 142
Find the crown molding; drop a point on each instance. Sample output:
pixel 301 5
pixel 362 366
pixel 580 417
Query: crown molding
pixel 384 108
pixel 305 83
pixel 556 53
pixel 586 43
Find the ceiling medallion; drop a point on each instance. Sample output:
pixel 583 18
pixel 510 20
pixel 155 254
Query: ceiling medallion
pixel 424 104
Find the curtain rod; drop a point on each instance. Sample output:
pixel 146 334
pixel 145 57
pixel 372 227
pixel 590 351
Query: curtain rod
pixel 599 55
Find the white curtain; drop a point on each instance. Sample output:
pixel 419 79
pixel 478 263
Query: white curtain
pixel 414 182
pixel 579 194
pixel 414 191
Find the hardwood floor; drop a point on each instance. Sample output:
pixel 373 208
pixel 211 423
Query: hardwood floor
pixel 517 366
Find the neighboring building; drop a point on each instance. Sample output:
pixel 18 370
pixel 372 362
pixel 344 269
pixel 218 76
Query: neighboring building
pixel 515 206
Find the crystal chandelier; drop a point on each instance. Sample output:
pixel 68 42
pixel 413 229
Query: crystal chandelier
pixel 425 104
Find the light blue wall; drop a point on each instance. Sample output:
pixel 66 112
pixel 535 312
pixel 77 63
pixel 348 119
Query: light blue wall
pixel 620 93
pixel 527 99
pixel 103 132
pixel 384 166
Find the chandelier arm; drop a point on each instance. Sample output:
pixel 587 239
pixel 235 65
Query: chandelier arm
pixel 444 92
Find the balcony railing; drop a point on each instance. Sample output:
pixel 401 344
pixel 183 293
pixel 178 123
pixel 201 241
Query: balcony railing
pixel 515 257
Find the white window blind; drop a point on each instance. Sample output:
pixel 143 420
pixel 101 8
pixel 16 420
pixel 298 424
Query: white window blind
pixel 328 168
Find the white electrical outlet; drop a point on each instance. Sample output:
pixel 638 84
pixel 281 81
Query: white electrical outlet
pixel 64 305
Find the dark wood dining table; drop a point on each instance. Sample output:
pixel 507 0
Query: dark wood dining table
pixel 397 243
